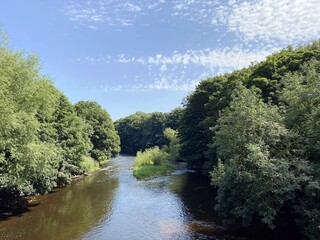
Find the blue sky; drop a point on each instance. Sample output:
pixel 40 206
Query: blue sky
pixel 148 55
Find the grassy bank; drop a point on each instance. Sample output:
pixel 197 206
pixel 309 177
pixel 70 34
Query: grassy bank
pixel 151 163
pixel 151 171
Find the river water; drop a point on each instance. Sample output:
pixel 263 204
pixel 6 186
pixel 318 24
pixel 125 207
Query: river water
pixel 112 204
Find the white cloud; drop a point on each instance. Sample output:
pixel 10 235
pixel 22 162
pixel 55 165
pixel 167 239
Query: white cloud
pixel 287 21
pixel 226 58
pixel 131 7
pixel 99 13
pixel 94 60
pixel 183 71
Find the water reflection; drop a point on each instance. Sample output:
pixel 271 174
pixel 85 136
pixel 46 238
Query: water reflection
pixel 174 207
pixel 66 213
pixel 114 205
pixel 196 194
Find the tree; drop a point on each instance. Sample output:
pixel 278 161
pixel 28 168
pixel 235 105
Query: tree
pixel 141 130
pixel 301 102
pixel 174 146
pixel 104 137
pixel 256 178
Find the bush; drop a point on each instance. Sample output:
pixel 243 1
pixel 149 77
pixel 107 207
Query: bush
pixel 151 156
pixel 88 164
pixel 150 163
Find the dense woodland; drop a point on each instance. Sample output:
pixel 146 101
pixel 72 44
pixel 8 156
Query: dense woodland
pixel 141 130
pixel 44 139
pixel 255 132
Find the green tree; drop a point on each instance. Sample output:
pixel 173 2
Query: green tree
pixel 256 178
pixel 104 137
pixel 174 146
pixel 141 130
pixel 301 102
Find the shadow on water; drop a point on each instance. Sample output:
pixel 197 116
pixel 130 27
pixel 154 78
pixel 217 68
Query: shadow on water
pixel 66 213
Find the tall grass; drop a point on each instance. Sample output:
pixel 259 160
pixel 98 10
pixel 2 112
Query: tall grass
pixel 151 163
pixel 151 156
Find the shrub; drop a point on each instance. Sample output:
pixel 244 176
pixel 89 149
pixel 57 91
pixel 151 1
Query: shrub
pixel 151 156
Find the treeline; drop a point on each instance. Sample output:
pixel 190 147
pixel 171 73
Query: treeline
pixel 256 133
pixel 44 139
pixel 140 130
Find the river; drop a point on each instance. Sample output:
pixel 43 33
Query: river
pixel 112 204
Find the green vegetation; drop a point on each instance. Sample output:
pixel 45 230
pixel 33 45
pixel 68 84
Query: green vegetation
pixel 256 132
pixel 150 171
pixel 105 140
pixel 151 163
pixel 88 164
pixel 43 142
pixel 174 146
pixel 202 108
pixel 140 131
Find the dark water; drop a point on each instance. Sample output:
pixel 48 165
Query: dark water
pixel 112 204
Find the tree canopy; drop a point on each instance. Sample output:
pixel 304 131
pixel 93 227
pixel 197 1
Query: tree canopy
pixel 42 140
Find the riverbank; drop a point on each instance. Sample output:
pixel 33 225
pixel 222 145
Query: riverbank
pixel 13 205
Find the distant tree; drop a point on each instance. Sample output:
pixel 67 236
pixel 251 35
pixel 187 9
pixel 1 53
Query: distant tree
pixel 174 147
pixel 174 117
pixel 104 137
pixel 141 130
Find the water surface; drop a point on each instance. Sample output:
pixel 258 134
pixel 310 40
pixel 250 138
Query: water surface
pixel 112 204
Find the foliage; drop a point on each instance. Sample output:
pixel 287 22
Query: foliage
pixel 151 156
pixel 42 140
pixel 202 107
pixel 152 162
pixel 268 153
pixel 256 130
pixel 255 179
pixel 174 147
pixel 105 140
pixel 88 164
pixel 151 171
pixel 301 100
pixel 141 130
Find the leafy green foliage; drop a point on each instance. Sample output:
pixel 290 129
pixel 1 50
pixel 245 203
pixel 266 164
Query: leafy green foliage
pixel 174 146
pixel 151 156
pixel 203 106
pixel 256 179
pixel 301 100
pixel 42 140
pixel 105 140
pixel 150 163
pixel 89 164
pixel 141 130
pixel 256 131
pixel 151 171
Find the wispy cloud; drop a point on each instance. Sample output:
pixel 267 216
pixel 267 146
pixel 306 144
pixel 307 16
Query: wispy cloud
pixel 258 26
pixel 221 59
pixel 288 21
pixel 94 60
pixel 183 71
pixel 101 13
